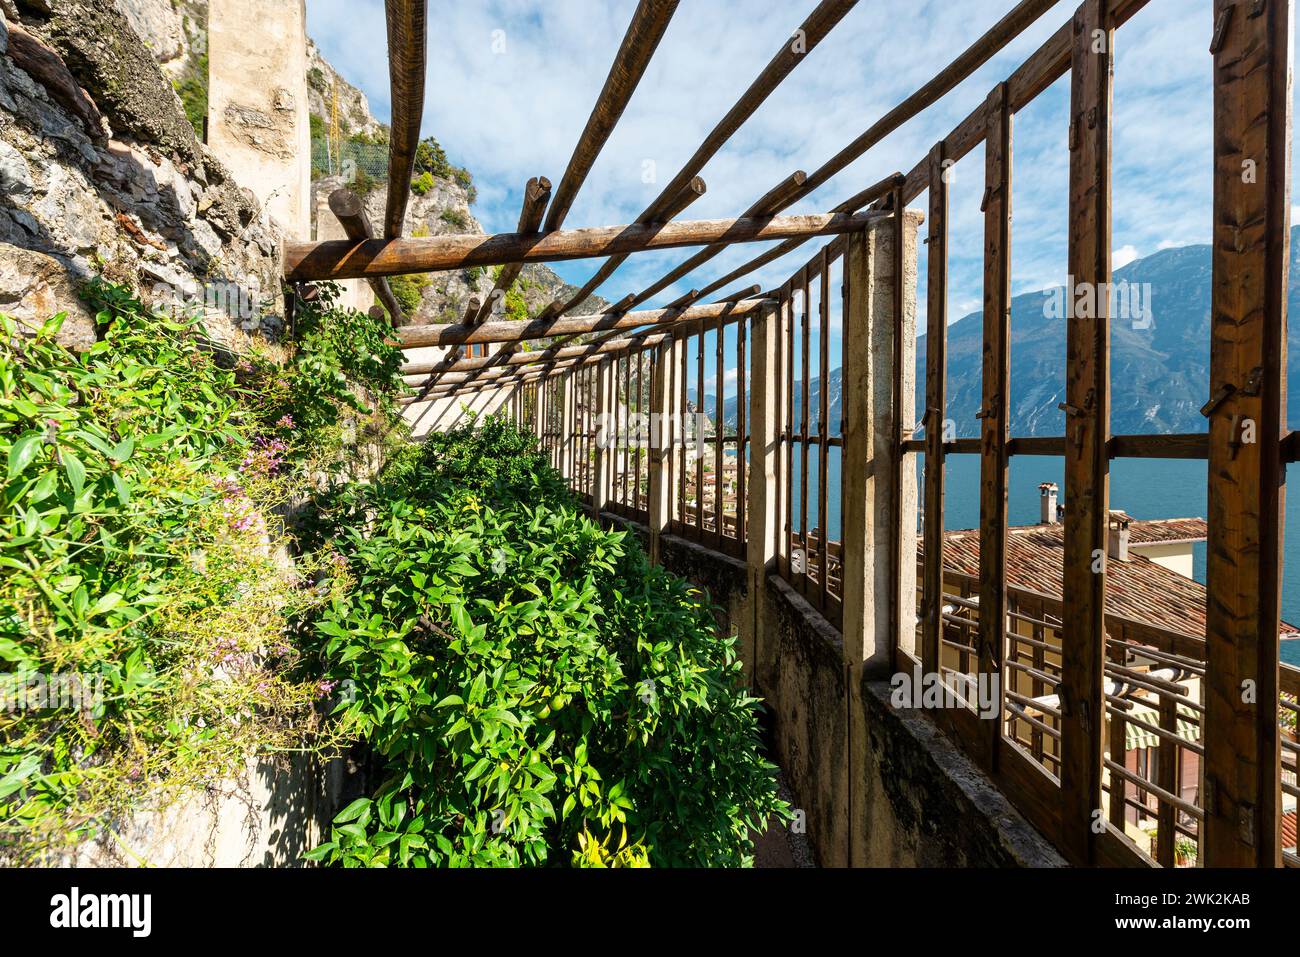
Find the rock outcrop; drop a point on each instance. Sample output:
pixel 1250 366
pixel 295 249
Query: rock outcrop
pixel 116 185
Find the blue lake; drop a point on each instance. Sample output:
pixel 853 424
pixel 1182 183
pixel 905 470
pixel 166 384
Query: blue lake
pixel 1145 488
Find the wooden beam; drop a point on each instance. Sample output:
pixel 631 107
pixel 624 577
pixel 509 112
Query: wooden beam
pixel 639 44
pixel 1251 250
pixel 407 42
pixel 351 214
pixel 936 380
pixel 792 52
pixel 608 347
pixel 461 334
pixel 1087 434
pixel 342 259
pixel 996 408
pixel 537 192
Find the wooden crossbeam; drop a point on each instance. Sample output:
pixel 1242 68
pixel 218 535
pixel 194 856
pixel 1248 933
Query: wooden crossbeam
pixel 639 44
pixel 414 369
pixel 413 337
pixel 793 51
pixel 537 193
pixel 343 259
pixel 407 41
pixel 351 214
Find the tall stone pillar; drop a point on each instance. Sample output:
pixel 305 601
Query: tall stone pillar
pixel 257 103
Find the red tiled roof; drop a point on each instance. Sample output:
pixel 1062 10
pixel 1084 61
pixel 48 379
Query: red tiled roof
pixel 1139 588
pixel 1288 829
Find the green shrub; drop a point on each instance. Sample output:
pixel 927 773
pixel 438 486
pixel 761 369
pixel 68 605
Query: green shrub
pixel 138 535
pixel 423 184
pixel 409 291
pixel 454 218
pixel 539 692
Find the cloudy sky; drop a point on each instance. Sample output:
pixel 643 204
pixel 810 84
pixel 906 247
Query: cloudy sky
pixel 511 83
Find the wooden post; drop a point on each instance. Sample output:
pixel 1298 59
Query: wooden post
pixel 764 452
pixel 1251 249
pixel 996 407
pixel 606 439
pixel 859 550
pixel 936 371
pixel 1087 431
pixel 660 466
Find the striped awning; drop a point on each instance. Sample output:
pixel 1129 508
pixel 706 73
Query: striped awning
pixel 1189 728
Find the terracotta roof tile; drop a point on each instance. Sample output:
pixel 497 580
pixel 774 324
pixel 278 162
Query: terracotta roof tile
pixel 1139 588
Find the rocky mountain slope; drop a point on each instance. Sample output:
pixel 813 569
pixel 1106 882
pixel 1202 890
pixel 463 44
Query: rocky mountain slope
pixel 174 30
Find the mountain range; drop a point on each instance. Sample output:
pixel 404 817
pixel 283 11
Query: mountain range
pixel 1160 358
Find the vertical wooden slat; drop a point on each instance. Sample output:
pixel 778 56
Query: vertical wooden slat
pixel 718 432
pixel 700 441
pixel 805 372
pixel 679 364
pixel 660 472
pixel 742 433
pixel 996 405
pixel 1087 428
pixel 936 373
pixel 1251 249
pixel 1167 778
pixel 823 430
pixel 786 523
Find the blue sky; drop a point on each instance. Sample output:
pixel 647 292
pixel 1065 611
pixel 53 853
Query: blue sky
pixel 511 83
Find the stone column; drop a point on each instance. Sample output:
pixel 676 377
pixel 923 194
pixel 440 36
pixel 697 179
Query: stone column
pixel 872 430
pixel 761 507
pixel 257 103
pixel 662 435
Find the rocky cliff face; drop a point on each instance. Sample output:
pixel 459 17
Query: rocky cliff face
pixel 101 174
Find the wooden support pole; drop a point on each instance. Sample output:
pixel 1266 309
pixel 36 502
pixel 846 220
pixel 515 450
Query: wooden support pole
pixel 792 52
pixel 639 44
pixel 1087 426
pixel 461 334
pixel 606 438
pixel 568 390
pixel 1251 252
pixel 762 512
pixel 407 42
pixel 537 193
pixel 343 259
pixel 351 214
pixel 936 380
pixel 996 409
pixel 662 444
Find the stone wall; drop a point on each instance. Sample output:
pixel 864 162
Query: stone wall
pixel 875 785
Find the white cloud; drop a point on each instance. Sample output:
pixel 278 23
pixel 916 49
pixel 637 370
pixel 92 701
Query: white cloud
pixel 1123 256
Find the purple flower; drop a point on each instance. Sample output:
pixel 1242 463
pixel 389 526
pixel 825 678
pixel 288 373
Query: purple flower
pixel 285 422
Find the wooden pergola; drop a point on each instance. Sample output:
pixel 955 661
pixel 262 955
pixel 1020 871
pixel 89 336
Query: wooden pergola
pixel 1238 813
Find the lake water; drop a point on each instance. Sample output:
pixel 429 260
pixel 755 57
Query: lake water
pixel 1144 488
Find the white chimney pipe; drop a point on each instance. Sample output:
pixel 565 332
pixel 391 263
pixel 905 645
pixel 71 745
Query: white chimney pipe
pixel 1117 537
pixel 1047 491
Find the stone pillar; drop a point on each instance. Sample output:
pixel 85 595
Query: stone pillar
pixel 872 433
pixel 761 507
pixel 257 103
pixel 568 422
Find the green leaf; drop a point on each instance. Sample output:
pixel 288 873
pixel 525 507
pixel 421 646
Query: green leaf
pixel 23 451
pixel 76 472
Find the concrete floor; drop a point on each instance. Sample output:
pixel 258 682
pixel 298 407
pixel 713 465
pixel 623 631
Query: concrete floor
pixel 777 846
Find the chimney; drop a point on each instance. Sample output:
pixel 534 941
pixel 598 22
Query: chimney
pixel 1117 536
pixel 1048 515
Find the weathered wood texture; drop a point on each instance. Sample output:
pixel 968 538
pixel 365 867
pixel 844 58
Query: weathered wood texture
pixel 342 259
pixel 1252 137
pixel 936 378
pixel 1087 424
pixel 407 43
pixel 351 214
pixel 996 410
